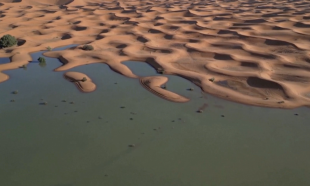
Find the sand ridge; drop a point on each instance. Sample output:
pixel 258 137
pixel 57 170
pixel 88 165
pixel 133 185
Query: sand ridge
pixel 257 52
pixel 154 83
pixel 82 81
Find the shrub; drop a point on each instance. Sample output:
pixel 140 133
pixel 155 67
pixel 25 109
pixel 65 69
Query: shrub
pixel 49 48
pixel 88 47
pixel 23 66
pixel 160 71
pixel 84 79
pixel 7 41
pixel 212 79
pixel 41 59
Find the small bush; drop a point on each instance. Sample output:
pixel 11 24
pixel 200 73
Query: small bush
pixel 23 66
pixel 84 79
pixel 88 47
pixel 41 59
pixel 160 71
pixel 7 41
pixel 49 48
pixel 212 79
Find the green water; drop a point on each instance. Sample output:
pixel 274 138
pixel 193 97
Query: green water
pixel 86 143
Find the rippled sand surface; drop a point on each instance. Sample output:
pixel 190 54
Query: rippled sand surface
pixel 248 51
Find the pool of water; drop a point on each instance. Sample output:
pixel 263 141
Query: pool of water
pixel 4 60
pixel 86 142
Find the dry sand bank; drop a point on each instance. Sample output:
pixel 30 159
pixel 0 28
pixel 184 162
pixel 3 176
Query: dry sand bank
pixel 258 52
pixel 154 83
pixel 84 85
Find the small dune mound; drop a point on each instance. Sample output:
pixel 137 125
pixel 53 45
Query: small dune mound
pixel 153 84
pixel 82 81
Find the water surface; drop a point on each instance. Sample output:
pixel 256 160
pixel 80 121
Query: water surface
pixel 4 60
pixel 86 142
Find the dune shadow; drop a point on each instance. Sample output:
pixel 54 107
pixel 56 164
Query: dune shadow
pixel 276 42
pixel 262 83
pixel 99 37
pixel 77 22
pixel 188 22
pixel 301 25
pixel 20 42
pixel 128 11
pixel 80 28
pixel 249 64
pixel 222 57
pixel 66 36
pixel 168 36
pixel 279 28
pixel 152 62
pixel 227 32
pixel 306 17
pixel 142 39
pixel 121 46
pixel 158 24
pixel 154 31
pixel 255 21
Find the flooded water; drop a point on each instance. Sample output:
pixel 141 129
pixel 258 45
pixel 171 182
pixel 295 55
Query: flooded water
pixel 4 60
pixel 121 134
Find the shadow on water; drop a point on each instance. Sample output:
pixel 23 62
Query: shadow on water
pixel 121 134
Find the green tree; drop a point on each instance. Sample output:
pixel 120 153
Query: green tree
pixel 88 47
pixel 7 41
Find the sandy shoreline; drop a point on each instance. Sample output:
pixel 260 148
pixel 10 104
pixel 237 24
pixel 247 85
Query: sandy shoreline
pixel 256 52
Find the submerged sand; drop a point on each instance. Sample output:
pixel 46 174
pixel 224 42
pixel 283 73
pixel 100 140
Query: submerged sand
pixel 252 52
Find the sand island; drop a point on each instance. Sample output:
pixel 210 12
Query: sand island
pixel 251 52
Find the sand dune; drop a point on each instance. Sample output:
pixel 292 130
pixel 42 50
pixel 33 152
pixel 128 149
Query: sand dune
pixel 153 84
pixel 36 2
pixel 256 52
pixel 85 85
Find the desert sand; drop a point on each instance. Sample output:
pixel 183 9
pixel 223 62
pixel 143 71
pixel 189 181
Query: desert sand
pixel 255 51
pixel 86 85
pixel 154 83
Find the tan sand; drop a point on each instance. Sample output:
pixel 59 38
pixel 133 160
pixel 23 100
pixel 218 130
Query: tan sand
pixel 153 84
pixel 258 52
pixel 77 77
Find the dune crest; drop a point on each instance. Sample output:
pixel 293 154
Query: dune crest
pixel 252 52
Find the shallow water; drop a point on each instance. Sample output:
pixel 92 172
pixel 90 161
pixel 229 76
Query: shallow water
pixel 4 60
pixel 86 143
